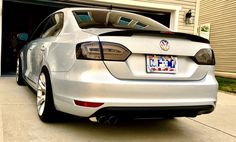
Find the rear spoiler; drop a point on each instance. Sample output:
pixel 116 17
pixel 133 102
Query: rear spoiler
pixel 159 33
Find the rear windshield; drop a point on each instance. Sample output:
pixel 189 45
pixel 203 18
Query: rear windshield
pixel 115 19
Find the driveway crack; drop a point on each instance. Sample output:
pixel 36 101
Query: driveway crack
pixel 212 127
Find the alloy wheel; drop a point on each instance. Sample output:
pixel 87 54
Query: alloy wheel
pixel 17 69
pixel 41 94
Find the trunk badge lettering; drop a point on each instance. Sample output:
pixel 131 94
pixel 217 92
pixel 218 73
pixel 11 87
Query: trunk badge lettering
pixel 164 44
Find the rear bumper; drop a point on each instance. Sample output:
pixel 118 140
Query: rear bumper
pixel 151 112
pixel 181 98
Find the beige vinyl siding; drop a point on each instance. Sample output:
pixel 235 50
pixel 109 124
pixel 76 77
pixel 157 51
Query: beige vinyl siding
pixel 221 15
pixel 185 6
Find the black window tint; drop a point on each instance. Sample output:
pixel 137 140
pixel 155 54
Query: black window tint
pixel 54 25
pixel 39 29
pixel 49 25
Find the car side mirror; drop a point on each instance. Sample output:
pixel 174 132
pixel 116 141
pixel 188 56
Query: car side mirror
pixel 23 36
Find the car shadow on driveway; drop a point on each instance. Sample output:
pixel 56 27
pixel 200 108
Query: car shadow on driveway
pixel 137 130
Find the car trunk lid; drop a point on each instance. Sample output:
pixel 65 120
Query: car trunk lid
pixel 145 43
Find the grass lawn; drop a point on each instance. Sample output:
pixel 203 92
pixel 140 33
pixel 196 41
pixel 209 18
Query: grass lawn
pixel 227 84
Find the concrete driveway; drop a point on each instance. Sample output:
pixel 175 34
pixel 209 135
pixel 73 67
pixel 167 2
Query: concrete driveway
pixel 19 123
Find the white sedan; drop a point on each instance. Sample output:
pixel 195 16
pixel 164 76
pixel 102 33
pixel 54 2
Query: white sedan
pixel 112 64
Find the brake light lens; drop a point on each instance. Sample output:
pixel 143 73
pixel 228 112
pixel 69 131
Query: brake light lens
pixel 102 51
pixel 205 57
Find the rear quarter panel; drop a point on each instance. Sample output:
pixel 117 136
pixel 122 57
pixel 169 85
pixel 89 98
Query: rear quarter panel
pixel 62 53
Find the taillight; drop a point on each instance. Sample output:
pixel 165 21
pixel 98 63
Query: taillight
pixel 102 51
pixel 88 50
pixel 114 51
pixel 205 57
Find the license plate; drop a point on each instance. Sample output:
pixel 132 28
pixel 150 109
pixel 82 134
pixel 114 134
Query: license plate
pixel 161 64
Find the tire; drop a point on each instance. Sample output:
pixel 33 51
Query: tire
pixel 19 78
pixel 45 104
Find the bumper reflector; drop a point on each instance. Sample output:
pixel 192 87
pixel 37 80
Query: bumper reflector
pixel 88 104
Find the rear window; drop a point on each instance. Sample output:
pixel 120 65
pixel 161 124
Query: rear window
pixel 115 19
pixel 84 17
pixel 124 21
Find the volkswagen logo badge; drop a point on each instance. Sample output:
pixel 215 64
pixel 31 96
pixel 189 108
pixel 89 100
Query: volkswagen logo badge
pixel 164 44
